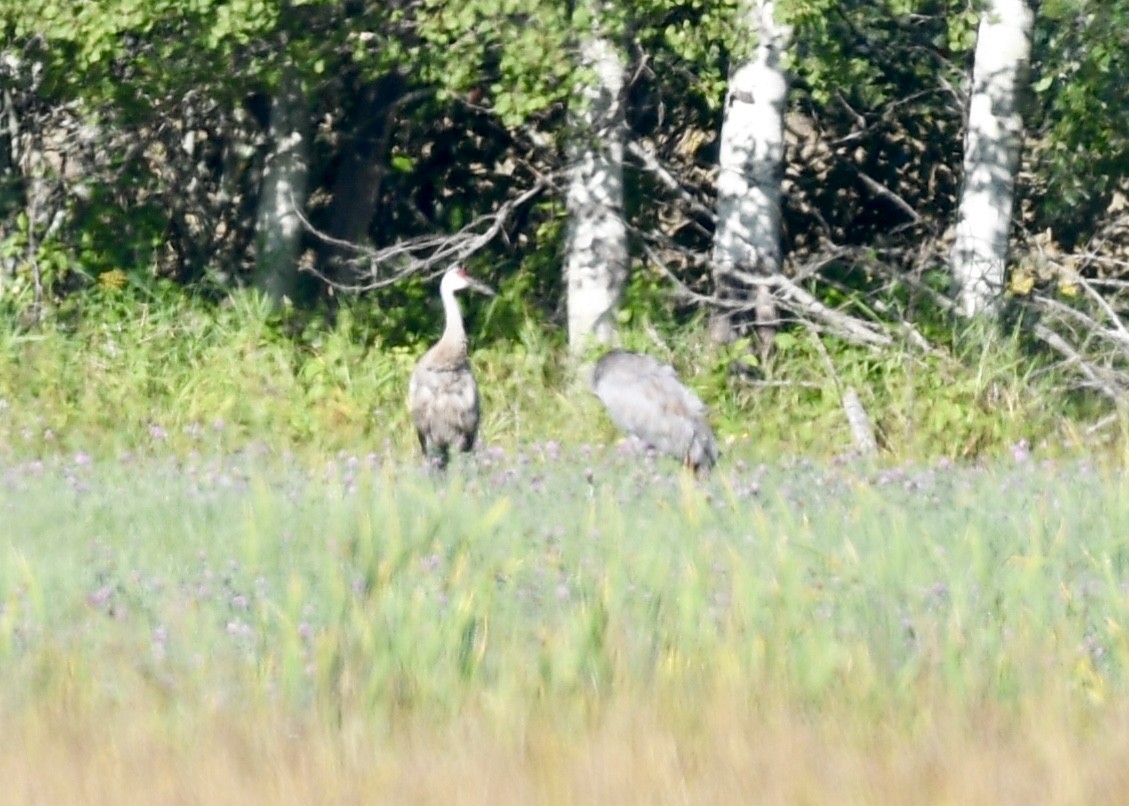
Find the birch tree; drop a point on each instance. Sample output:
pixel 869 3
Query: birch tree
pixel 278 227
pixel 991 154
pixel 747 239
pixel 596 241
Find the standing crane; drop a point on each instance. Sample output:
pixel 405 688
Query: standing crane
pixel 646 400
pixel 442 394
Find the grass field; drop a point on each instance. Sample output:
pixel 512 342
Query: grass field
pixel 563 625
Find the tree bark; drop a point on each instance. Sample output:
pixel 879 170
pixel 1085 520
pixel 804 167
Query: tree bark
pixel 748 232
pixel 596 259
pixel 991 155
pixel 278 228
pixel 9 144
pixel 360 169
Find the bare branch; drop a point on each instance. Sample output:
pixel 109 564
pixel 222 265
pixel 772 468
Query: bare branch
pixel 1104 422
pixel 803 301
pixel 1105 260
pixel 789 294
pixel 652 164
pixel 942 301
pixel 1118 325
pixel 682 291
pixel 1089 325
pixel 862 431
pixel 421 254
pixel 1109 282
pixel 1074 358
pixel 889 195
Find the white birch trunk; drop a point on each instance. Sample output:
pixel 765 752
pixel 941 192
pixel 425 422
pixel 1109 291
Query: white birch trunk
pixel 278 229
pixel 596 260
pixel 991 155
pixel 748 186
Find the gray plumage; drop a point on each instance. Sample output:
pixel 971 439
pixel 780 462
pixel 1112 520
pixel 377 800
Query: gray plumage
pixel 442 393
pixel 645 399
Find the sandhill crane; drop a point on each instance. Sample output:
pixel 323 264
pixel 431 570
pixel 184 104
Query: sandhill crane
pixel 442 394
pixel 645 399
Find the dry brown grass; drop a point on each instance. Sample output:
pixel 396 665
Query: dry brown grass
pixel 632 753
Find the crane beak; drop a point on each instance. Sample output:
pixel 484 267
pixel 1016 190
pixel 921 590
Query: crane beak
pixel 482 288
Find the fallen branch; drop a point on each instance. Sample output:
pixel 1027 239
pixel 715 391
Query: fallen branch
pixel 884 192
pixel 862 432
pixel 1103 423
pixel 652 164
pixel 1074 358
pixel 1089 324
pixel 790 295
pixel 802 301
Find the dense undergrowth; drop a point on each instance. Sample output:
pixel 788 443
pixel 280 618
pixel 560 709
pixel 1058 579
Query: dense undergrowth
pixel 135 371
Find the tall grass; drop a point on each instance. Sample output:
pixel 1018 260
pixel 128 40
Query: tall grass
pixel 800 632
pixel 223 577
pixel 142 374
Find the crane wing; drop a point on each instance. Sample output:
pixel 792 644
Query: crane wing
pixel 644 398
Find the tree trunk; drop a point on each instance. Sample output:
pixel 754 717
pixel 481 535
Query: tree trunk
pixel 360 169
pixel 278 229
pixel 9 145
pixel 991 154
pixel 747 240
pixel 596 261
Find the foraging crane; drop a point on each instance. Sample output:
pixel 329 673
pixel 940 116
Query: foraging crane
pixel 645 399
pixel 442 394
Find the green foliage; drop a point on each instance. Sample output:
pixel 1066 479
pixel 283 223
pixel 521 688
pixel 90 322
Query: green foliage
pixel 1081 114
pixel 490 45
pixel 133 359
pixel 874 52
pixel 701 34
pixel 134 54
pixel 962 27
pixel 49 265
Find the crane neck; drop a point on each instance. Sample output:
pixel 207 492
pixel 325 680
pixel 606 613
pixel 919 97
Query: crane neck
pixel 453 332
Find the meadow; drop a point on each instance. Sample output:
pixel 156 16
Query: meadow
pixel 561 624
pixel 226 578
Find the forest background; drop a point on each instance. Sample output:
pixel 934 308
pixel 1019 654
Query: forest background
pixel 228 217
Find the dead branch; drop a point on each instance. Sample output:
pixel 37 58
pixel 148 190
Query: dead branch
pixel 765 384
pixel 1107 309
pixel 1087 323
pixel 881 190
pixel 421 254
pixel 1110 282
pixel 1103 423
pixel 802 301
pixel 787 290
pixel 789 294
pixel 1073 358
pixel 1105 260
pixel 862 431
pixel 652 164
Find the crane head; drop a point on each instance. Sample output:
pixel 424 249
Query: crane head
pixel 458 278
